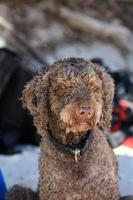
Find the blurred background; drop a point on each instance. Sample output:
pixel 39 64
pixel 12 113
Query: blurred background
pixel 35 33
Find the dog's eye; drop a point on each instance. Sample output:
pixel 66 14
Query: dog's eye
pixel 60 89
pixel 97 90
pixel 95 86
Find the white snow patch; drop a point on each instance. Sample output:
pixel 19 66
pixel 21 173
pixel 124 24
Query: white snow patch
pixel 21 169
pixel 125 176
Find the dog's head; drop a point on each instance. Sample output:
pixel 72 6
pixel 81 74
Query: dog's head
pixel 72 97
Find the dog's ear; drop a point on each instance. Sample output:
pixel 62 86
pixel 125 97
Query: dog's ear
pixel 34 98
pixel 107 96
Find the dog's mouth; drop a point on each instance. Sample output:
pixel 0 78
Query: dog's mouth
pixel 75 149
pixel 78 129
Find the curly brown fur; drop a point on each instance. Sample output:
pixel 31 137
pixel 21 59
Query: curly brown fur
pixel 20 193
pixel 71 103
pixel 52 97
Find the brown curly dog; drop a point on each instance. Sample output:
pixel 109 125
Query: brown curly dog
pixel 71 104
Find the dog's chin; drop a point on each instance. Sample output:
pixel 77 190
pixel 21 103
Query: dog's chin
pixel 75 134
pixel 84 127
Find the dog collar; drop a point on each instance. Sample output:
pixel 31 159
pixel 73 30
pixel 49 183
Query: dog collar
pixel 75 149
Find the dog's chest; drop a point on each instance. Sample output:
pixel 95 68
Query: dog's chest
pixel 92 178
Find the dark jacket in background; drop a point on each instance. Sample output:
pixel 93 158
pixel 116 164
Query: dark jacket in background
pixel 16 124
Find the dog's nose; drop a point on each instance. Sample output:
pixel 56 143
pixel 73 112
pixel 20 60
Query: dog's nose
pixel 85 109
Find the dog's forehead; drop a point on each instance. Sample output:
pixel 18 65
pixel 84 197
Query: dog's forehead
pixel 74 70
pixel 75 76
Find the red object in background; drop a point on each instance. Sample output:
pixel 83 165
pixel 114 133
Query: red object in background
pixel 128 142
pixel 121 116
pixel 123 103
pixel 121 112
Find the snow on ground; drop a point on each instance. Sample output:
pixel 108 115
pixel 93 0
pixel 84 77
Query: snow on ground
pixel 125 177
pixel 22 168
